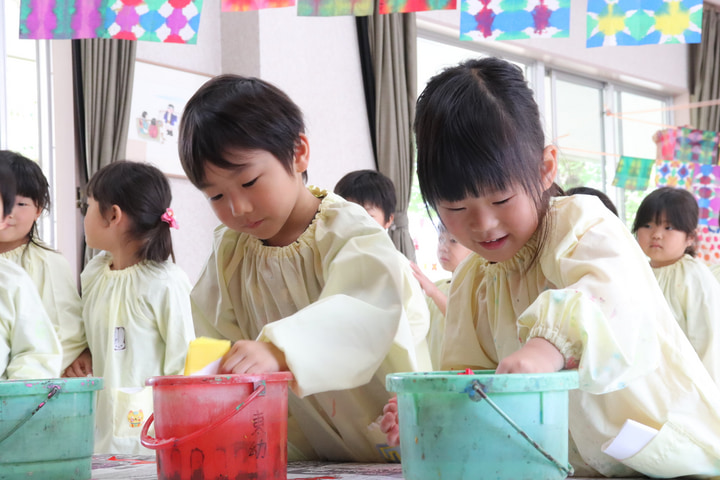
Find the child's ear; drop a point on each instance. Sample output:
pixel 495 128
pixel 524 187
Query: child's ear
pixel 302 154
pixel 549 166
pixel 115 215
pixel 691 238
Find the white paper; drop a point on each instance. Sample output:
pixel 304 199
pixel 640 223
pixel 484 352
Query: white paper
pixel 632 438
pixel 211 368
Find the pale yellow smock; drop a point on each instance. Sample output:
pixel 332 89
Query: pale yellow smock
pixel 715 269
pixel 437 325
pixel 592 294
pixel 29 346
pixel 693 294
pixel 138 324
pixel 51 273
pixel 332 301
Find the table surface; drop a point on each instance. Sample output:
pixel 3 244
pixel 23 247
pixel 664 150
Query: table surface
pixel 129 467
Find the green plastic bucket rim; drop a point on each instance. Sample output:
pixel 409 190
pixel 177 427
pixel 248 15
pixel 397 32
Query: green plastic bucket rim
pixel 458 382
pixel 42 386
pixel 183 380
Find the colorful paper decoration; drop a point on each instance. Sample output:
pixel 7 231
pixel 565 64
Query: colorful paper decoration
pixel 407 6
pixel 674 174
pixel 706 188
pixel 666 140
pixel 170 21
pixel 633 173
pixel 331 8
pixel 643 22
pixel 696 146
pixel 248 5
pixel 708 244
pixel 514 19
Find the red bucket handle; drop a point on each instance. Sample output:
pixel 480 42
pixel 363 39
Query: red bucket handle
pixel 159 444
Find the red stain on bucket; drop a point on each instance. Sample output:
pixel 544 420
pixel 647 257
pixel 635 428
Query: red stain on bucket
pixel 219 426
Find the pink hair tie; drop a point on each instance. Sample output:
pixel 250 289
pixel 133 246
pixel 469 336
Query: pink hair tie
pixel 169 218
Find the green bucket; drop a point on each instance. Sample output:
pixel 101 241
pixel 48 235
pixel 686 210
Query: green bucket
pixel 47 428
pixel 464 427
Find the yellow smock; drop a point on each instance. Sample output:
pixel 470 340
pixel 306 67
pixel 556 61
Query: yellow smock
pixel 437 325
pixel 138 324
pixel 29 346
pixel 332 301
pixel 50 272
pixel 592 293
pixel 693 294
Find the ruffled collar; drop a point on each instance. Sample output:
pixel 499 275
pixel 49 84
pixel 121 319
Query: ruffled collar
pixel 521 261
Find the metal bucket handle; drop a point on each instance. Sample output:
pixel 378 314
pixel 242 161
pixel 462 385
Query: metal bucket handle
pixel 159 444
pixel 54 390
pixel 476 393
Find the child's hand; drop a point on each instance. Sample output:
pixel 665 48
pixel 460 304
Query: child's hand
pixel 81 366
pixel 389 423
pixel 536 356
pixel 427 285
pixel 248 356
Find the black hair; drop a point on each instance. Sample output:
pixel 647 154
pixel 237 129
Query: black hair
pixel 369 187
pixel 30 182
pixel 7 190
pixel 143 194
pixel 231 112
pixel 478 131
pixel 594 191
pixel 677 205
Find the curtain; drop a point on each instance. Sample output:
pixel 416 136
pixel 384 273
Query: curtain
pixel 705 72
pixel 392 50
pixel 102 84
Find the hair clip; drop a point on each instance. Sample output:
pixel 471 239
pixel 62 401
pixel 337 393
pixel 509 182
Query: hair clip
pixel 169 218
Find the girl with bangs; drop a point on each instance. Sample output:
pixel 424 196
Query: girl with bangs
pixel 555 282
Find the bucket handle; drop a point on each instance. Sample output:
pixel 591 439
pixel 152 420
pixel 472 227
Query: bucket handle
pixel 54 390
pixel 159 444
pixel 476 387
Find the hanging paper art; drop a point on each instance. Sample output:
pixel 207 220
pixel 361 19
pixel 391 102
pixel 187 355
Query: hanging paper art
pixel 60 19
pixel 643 22
pixel 170 21
pixel 247 5
pixel 708 244
pixel 407 6
pixel 666 139
pixel 706 188
pixel 514 19
pixel 696 146
pixel 674 174
pixel 331 8
pixel 633 173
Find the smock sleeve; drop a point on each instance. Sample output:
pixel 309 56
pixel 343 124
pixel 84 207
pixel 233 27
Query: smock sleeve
pixel 601 303
pixel 32 347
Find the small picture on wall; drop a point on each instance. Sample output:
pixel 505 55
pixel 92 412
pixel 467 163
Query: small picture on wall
pixel 159 97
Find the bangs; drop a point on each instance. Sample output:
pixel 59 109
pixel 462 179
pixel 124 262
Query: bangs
pixel 678 207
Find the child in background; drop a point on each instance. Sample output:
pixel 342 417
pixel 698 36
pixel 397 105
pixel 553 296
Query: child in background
pixel 375 192
pixel 450 253
pixel 136 303
pixel 29 347
pixel 48 269
pixel 556 283
pixel 299 278
pixel 665 227
pixel 595 192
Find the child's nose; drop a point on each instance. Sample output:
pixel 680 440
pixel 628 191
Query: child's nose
pixel 239 206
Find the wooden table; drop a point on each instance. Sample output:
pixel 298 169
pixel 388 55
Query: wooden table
pixel 127 467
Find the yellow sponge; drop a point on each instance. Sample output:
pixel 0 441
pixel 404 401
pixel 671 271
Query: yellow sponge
pixel 203 351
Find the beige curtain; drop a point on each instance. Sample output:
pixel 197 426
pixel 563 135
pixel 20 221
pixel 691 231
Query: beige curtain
pixel 705 72
pixel 393 48
pixel 103 83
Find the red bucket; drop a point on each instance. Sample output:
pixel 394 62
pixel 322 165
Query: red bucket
pixel 219 426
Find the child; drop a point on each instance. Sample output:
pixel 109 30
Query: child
pixel 375 192
pixel 136 303
pixel 48 269
pixel 29 347
pixel 299 279
pixel 556 283
pixel 666 226
pixel 450 253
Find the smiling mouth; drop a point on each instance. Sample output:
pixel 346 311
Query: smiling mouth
pixel 493 244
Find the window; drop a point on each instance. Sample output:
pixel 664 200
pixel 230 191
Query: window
pixel 25 120
pixel 575 111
